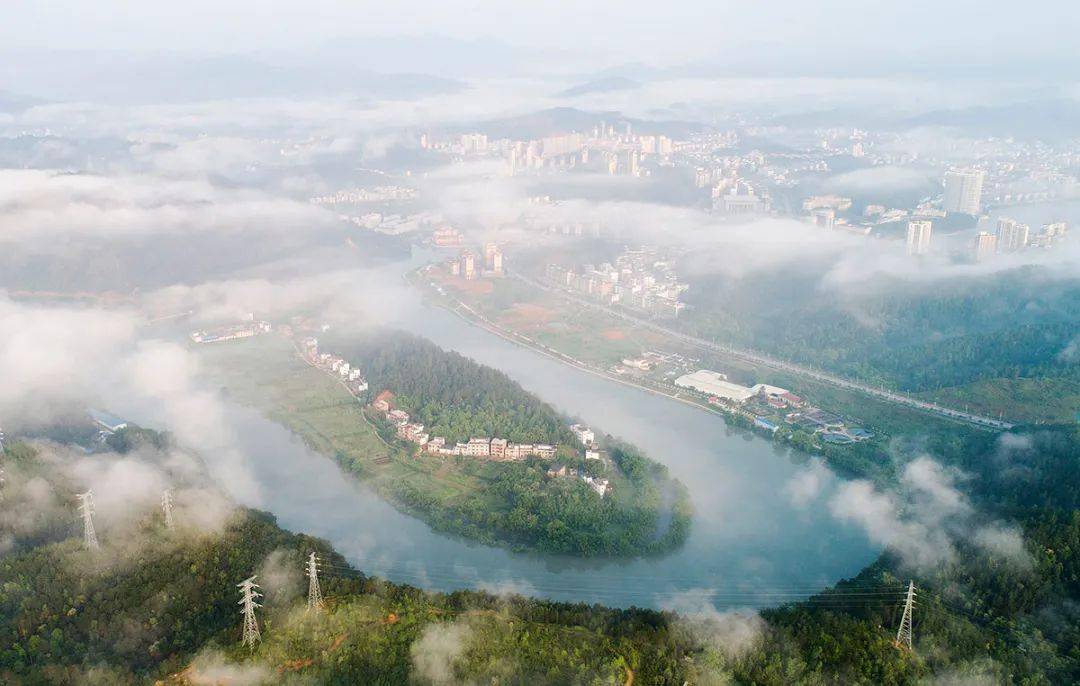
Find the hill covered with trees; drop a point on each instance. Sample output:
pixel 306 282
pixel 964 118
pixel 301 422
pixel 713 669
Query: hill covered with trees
pixel 159 605
pixel 452 395
pixel 918 337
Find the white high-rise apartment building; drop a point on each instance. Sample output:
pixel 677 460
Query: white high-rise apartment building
pixel 984 246
pixel 1011 235
pixel 963 190
pixel 918 237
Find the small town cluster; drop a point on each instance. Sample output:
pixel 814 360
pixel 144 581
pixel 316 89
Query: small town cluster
pixel 769 406
pixel 640 278
pixel 366 194
pixel 232 332
pixel 334 364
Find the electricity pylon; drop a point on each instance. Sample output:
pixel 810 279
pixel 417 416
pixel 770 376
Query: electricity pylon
pixel 903 634
pixel 166 508
pixel 314 594
pixel 250 590
pixel 86 507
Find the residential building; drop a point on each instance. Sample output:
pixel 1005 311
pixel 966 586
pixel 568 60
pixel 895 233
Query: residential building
pixel 963 190
pixel 918 236
pixel 468 265
pixel 477 447
pixel 584 434
pixel 1011 235
pixel 984 246
pixel 544 452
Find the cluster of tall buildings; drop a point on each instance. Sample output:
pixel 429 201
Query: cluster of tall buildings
pixel 616 153
pixel 1012 236
pixel 470 266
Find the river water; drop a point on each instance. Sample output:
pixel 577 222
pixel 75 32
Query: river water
pixel 749 546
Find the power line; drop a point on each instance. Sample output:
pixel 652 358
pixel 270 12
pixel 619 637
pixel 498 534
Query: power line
pixel 724 598
pixel 425 575
pixel 453 572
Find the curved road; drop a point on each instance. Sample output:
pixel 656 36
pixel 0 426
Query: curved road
pixel 766 361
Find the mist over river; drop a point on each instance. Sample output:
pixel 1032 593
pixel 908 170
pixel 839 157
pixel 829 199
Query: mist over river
pixel 749 544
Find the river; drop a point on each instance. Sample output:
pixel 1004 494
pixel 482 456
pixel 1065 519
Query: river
pixel 749 545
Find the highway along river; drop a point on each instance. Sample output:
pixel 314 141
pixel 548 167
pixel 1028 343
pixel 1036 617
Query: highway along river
pixel 749 546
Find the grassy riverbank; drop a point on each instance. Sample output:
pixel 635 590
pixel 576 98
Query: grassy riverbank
pixel 514 504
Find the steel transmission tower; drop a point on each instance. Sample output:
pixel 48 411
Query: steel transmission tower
pixel 250 591
pixel 166 508
pixel 314 594
pixel 86 507
pixel 903 634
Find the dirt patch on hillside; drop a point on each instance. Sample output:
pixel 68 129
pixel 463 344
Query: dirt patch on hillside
pixel 613 334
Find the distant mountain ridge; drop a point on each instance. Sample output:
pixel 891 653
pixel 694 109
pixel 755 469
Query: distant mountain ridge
pixel 115 77
pixel 608 85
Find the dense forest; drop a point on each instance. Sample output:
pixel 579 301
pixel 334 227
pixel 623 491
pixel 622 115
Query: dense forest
pixel 914 337
pixel 453 396
pixel 161 605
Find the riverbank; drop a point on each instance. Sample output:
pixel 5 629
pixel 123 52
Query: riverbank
pixel 599 343
pixel 513 504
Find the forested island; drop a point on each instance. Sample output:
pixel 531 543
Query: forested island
pixel 159 604
pixel 521 504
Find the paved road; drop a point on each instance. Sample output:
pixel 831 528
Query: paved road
pixel 766 361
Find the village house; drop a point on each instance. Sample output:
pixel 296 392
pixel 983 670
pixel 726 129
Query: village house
pixel 477 447
pixel 597 484
pixel 518 451
pixel 584 434
pixel 413 433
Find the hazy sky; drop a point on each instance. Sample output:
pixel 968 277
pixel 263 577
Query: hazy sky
pixel 608 31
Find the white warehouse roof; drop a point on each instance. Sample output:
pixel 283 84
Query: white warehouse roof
pixel 715 383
